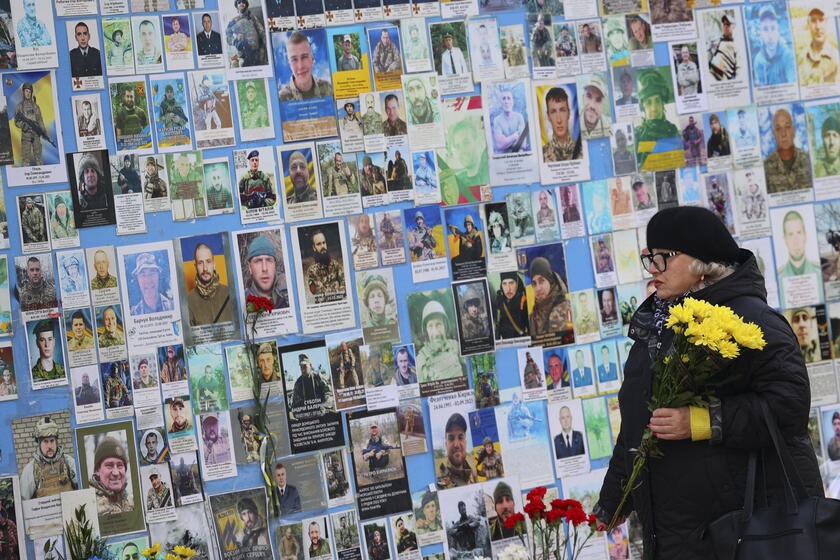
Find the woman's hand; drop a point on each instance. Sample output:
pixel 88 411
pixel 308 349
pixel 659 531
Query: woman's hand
pixel 671 423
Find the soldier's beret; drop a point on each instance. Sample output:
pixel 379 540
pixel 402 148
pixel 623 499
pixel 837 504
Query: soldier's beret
pixel 253 154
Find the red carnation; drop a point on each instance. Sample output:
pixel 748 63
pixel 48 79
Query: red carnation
pixel 259 303
pixel 513 520
pixel 534 509
pixel 537 493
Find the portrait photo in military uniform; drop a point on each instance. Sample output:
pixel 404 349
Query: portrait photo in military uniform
pixel 346 368
pixel 156 488
pixel 46 353
pixel 218 188
pixel 323 263
pixel 110 331
pixel 116 388
pixel 186 185
pixel 785 149
pixel 345 525
pixel 475 326
pixel 377 299
pixel 254 109
pixel 241 523
pixel 550 314
pixel 149 282
pixel 339 172
pixel 658 141
pixel 302 71
pixel 91 187
pixel 263 261
pixel 386 56
pixel 349 54
pixel 205 279
pixel 108 464
pixel 434 332
pixel 410 415
pixel 130 115
pixel 44 452
pixel 169 105
pixel 244 32
pixel 465 233
pixel 152 446
pixel 32 119
pixel 465 521
pixel 299 182
pixel 32 216
pixel 824 136
pixel 102 271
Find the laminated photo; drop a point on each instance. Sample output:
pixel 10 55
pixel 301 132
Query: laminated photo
pixel 337 481
pixel 262 265
pixel 672 22
pixel 463 162
pixel 583 381
pixel 557 377
pixel 186 185
pixel 208 39
pixel 8 375
pixel 509 305
pixel 256 116
pixel 378 372
pixel 188 490
pixel 35 129
pixel 207 382
pixel 723 57
pixel 46 353
pixel 349 124
pixel 542 46
pixel 744 136
pixel 413 433
pixel 219 191
pixel 246 44
pixel 108 464
pixel 475 331
pixel 304 82
pixel 514 59
pixel 550 314
pixel 10 502
pixel 499 250
pixel 603 262
pixel 718 148
pixel 156 486
pixel 427 522
pixel 405 537
pixel 585 316
pixel 508 110
pixel 119 47
pixel 191 528
pixel 110 333
pixel 148 47
pixel 87 394
pixel 415 44
pixel 301 193
pixel 571 213
pixel 621 205
pixel 85 55
pixel 531 376
pixel 339 180
pixel 87 115
pixel 608 366
pixel 180 426
pixel 545 216
pixel 373 187
pixel 772 52
pixel 246 443
pixel 345 527
pixel 687 82
pixel 827 216
pixel 751 201
pixel 690 187
pixel 281 17
pixel 485 50
pixel 658 141
pixel 719 198
pixel 797 256
pixel 91 189
pixel 314 422
pixel 398 173
pixel 299 481
pixel 35 40
pixel 256 182
pixel 216 446
pixel 640 41
pixel 590 39
pixel 177 42
pixel 346 368
pixel 810 325
pixel 211 109
pixel 563 157
pixel 335 12
pixel 466 248
pixel 169 102
pixel 349 63
pixel 378 463
pixel 618 52
pixel 318 538
pixel 390 243
pixel 130 114
pixel 625 93
pixel 568 444
pixel 145 379
pixel 378 305
pixel 35 285
pixel 521 216
pixel 626 252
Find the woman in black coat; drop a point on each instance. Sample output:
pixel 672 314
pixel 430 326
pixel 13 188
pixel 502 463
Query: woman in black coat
pixel 702 474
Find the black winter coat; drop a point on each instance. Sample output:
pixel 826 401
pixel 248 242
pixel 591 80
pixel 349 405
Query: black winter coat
pixel 697 482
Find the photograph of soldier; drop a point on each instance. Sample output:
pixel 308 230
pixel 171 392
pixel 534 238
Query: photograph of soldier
pixel 318 539
pixel 29 122
pixel 149 51
pixel 265 356
pixel 115 382
pixel 376 373
pixel 425 241
pixel 617 51
pixel 129 108
pixel 245 34
pixel 694 145
pixel 656 130
pixel 448 41
pixel 307 69
pixel 288 539
pixel 338 177
pixel 31 30
pixel 402 530
pixel 488 460
pixel 432 316
pixel 771 48
pixel 594 113
pixel 299 176
pixel 263 267
pixel 253 104
pixel 722 52
pixel 186 185
pixel 542 44
pixel 218 192
pixel 475 332
pixel 102 268
pixel 85 58
pixel 311 394
pixel 532 377
pixel 345 529
pixel 215 439
pixel 46 355
pixel 128 179
pixel 33 220
pixel 639 30
pixel 207 383
pixel 176 33
pixel 210 105
pixel 378 307
pixel 509 125
pixel 784 147
pixel 349 124
pixel 178 415
pixel 386 55
pixel 394 123
pixel 172 124
pixel 89 121
pixel 62 223
pixel 465 245
pixel 624 161
pixel 371 175
pixel 171 364
pixel 362 241
pixel 465 522
pixel 46 463
pixel 826 140
pixel 208 41
pixel 550 315
pixel 590 38
pixel 91 188
pixel 504 506
pixel 109 326
pixel 398 176
pixel 427 512
pixel 510 306
pixel 207 293
pixel 11 542
pixel 335 475
pixel 158 489
pixel 718 143
pixel 805 325
pixel 405 372
pixel 559 127
pixel 513 49
pixel 323 263
pixel 816 50
pixel 149 284
pixel 372 117
pixel 798 255
pixel 688 73
pixel 376 541
pixel 119 49
pixel 186 480
pixel 584 314
pixel 153 446
pixel 247 440
pixel 79 331
pixel 346 56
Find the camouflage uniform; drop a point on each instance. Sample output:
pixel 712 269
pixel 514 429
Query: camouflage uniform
pixel 491 464
pixel 440 363
pixel 399 128
pixel 781 177
pixel 600 130
pixel 33 225
pixel 40 296
pixel 422 242
pixel 255 190
pixel 156 499
pixel 173 371
pixel 84 343
pixel 366 244
pixel 98 283
pixel 516 55
pixel 372 123
pixel 30 142
pixel 450 476
pixel 253 115
pixel 110 503
pixel 154 186
pixel 386 58
pixel 325 278
pixel 475 327
pixel 373 183
pixel 218 199
pixel 130 121
pixel 107 339
pixel 246 34
pixel 115 391
pixel 348 62
pixel 32 32
pixel 309 195
pixel 40 374
pixel 338 183
pixel 321 88
pixel 44 476
pixel 817 69
pixel 555 151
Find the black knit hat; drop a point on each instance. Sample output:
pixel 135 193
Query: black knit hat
pixel 692 230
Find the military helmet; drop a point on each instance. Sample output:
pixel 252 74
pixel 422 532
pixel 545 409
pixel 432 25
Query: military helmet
pixel 431 308
pixel 486 440
pixel 45 428
pixel 26 85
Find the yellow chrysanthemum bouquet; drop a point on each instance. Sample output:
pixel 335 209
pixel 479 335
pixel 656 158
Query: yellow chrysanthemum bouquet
pixel 178 553
pixel 706 338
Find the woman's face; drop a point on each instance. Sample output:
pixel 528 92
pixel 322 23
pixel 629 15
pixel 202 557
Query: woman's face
pixel 676 280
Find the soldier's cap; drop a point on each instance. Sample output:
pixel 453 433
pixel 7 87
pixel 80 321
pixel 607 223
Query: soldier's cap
pixel 210 421
pixel 616 28
pixel 564 28
pixel 456 421
pixel 419 216
pixel 767 12
pixel 541 267
pixel 168 348
pixel 831 123
pixel 472 297
pixel 29 199
pixel 502 489
pixel 261 246
pixel 246 504
pixel 636 17
pixel 347 38
pixel 237 2
pixel 107 448
pixel 375 353
pixel 486 440
pixel 152 161
pixel 145 261
pixel 69 260
pixel 127 158
pixel 816 12
pixel 367 161
pixel 265 348
pixel 144 361
pixel 596 82
pixel 468 219
pixel 427 497
pixel 447 35
pixel 251 85
pixel 177 401
pixel 46 427
pixel 43 326
pixel 154 474
pixel 726 21
pixel 26 85
pixel 653 84
pixel 304 359
pixel 496 219
pixel 431 309
pixel 374 282
pixel 374 425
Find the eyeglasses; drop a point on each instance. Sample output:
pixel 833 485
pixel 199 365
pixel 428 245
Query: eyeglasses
pixel 659 260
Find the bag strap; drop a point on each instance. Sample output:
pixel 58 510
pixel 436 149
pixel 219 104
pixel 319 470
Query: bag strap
pixel 792 493
pixel 749 490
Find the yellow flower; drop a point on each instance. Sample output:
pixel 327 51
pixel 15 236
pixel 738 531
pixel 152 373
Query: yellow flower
pixel 184 551
pixel 678 315
pixel 728 349
pixel 170 556
pixel 152 551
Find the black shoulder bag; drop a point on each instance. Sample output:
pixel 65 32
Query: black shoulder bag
pixel 804 528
